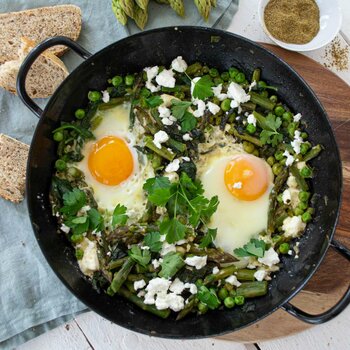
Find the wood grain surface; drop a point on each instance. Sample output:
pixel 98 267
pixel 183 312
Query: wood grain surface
pixel 331 280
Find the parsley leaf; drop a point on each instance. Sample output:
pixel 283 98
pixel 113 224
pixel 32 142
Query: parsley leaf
pixel 154 101
pixel 208 297
pixel 173 229
pixel 73 201
pixel 78 224
pixel 208 238
pixel 171 264
pixel 96 220
pixel 254 247
pixel 270 135
pixel 84 133
pixel 202 88
pixel 141 257
pixel 152 240
pixel 188 122
pixel 119 215
pixel 179 108
pixel 158 190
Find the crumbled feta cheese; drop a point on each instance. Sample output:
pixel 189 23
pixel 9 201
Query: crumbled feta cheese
pixel 156 263
pixel 192 287
pixel 286 196
pixel 159 138
pixel 213 108
pixel 89 263
pixel 215 270
pixel 179 64
pixel 177 286
pixel 290 158
pixel 292 182
pixel 173 166
pixel 296 143
pixel 85 209
pixel 270 258
pixel 237 93
pixel 260 275
pixel 171 300
pixel 290 252
pixel 181 242
pixel 217 92
pixel 151 74
pixel 237 185
pixel 161 210
pixel 199 112
pixel 233 280
pixel 105 96
pixel 251 119
pixel 186 159
pixel 197 261
pixel 164 112
pixel 187 137
pixel 64 228
pixel 173 177
pixel 297 117
pixel 294 193
pixel 139 284
pixel 167 121
pixel 156 286
pixel 172 118
pixel 167 248
pixel 292 226
pixel 252 85
pixel 166 78
pixel 234 104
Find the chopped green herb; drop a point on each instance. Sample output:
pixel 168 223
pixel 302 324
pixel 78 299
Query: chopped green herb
pixel 255 247
pixel 171 264
pixel 119 215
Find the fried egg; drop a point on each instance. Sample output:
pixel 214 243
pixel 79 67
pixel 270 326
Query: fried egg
pixel 112 166
pixel 243 183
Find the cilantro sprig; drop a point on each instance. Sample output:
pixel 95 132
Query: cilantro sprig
pixel 254 247
pixel 270 126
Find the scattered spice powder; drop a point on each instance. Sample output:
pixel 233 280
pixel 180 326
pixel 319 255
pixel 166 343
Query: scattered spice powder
pixel 292 21
pixel 337 55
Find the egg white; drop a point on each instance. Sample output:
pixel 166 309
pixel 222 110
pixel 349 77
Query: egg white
pixel 237 220
pixel 115 122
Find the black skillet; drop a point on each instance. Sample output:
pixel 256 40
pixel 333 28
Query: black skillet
pixel 158 47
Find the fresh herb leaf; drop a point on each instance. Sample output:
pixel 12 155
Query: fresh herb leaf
pixel 154 101
pixel 173 229
pixel 158 190
pixel 84 133
pixel 270 135
pixel 141 257
pixel 273 122
pixel 208 297
pixel 188 122
pixel 96 220
pixel 208 238
pixel 73 201
pixel 119 215
pixel 202 88
pixel 179 108
pixel 152 240
pixel 171 264
pixel 78 224
pixel 254 247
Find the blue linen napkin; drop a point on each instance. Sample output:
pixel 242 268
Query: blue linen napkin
pixel 32 299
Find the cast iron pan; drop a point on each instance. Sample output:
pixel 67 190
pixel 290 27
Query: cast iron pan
pixel 159 47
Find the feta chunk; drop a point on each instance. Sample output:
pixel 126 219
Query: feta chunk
pixel 290 158
pixel 260 275
pixel 164 112
pixel 171 300
pixel 217 92
pixel 89 263
pixel 151 74
pixel 237 93
pixel 233 280
pixel 270 258
pixel 167 121
pixel 159 138
pixel 197 261
pixel 64 228
pixel 297 117
pixel 286 196
pixel 251 119
pixel 139 284
pixel 166 78
pixel 167 248
pixel 186 159
pixel 173 166
pixel 177 286
pixel 213 108
pixel 296 143
pixel 156 263
pixel 187 137
pixel 179 64
pixel 252 85
pixel 292 182
pixel 199 112
pixel 293 226
pixel 215 270
pixel 105 96
pixel 192 287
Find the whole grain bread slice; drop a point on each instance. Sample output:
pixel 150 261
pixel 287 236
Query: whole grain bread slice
pixel 43 78
pixel 37 24
pixel 13 164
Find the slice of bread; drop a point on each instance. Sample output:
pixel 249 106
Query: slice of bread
pixel 43 78
pixel 13 165
pixel 37 25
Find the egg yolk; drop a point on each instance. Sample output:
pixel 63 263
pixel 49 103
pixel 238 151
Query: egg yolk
pixel 110 161
pixel 246 177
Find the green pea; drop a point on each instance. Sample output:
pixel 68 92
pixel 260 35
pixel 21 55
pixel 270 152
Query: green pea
pixel 58 136
pixel 279 110
pixel 223 293
pixel 284 248
pixel 240 78
pixel 280 198
pixel 306 217
pixel 145 92
pixel 304 196
pixel 202 308
pixel 232 293
pixel 239 300
pixel 225 76
pixel 117 80
pixel 274 98
pixel 287 116
pixel 283 161
pixel 60 165
pixel 233 72
pixel 94 96
pixel 279 155
pixel 304 147
pixel 80 113
pixel 218 81
pixel 256 153
pixel 229 302
pixel 79 253
pixel 213 72
pixel 129 80
pixel 251 128
pixel 261 84
pixel 74 172
pixel 76 238
pixel 298 211
pixel 226 105
pixel 277 168
pixel 276 238
pixel 302 205
pixel 306 172
pixel 248 147
pixel 271 160
pixel 304 135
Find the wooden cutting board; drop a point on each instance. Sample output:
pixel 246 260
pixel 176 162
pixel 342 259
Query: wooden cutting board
pixel 332 278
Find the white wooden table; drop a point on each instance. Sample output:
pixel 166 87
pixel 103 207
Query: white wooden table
pixel 90 331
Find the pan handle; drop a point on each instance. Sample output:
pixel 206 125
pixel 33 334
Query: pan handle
pixel 335 310
pixel 30 59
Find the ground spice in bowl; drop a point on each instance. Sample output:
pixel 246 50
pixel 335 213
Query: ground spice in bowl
pixel 292 21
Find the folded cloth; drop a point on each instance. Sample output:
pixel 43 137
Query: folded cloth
pixel 32 299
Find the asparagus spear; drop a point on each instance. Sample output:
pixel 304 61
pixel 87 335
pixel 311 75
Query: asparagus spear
pixel 313 153
pixel 298 178
pixel 247 137
pixel 116 263
pixel 256 75
pixel 223 273
pixel 116 101
pixel 252 289
pixel 192 302
pixel 120 276
pixel 163 152
pixel 245 275
pixel 261 101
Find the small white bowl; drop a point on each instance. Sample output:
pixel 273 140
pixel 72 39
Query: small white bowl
pixel 330 23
